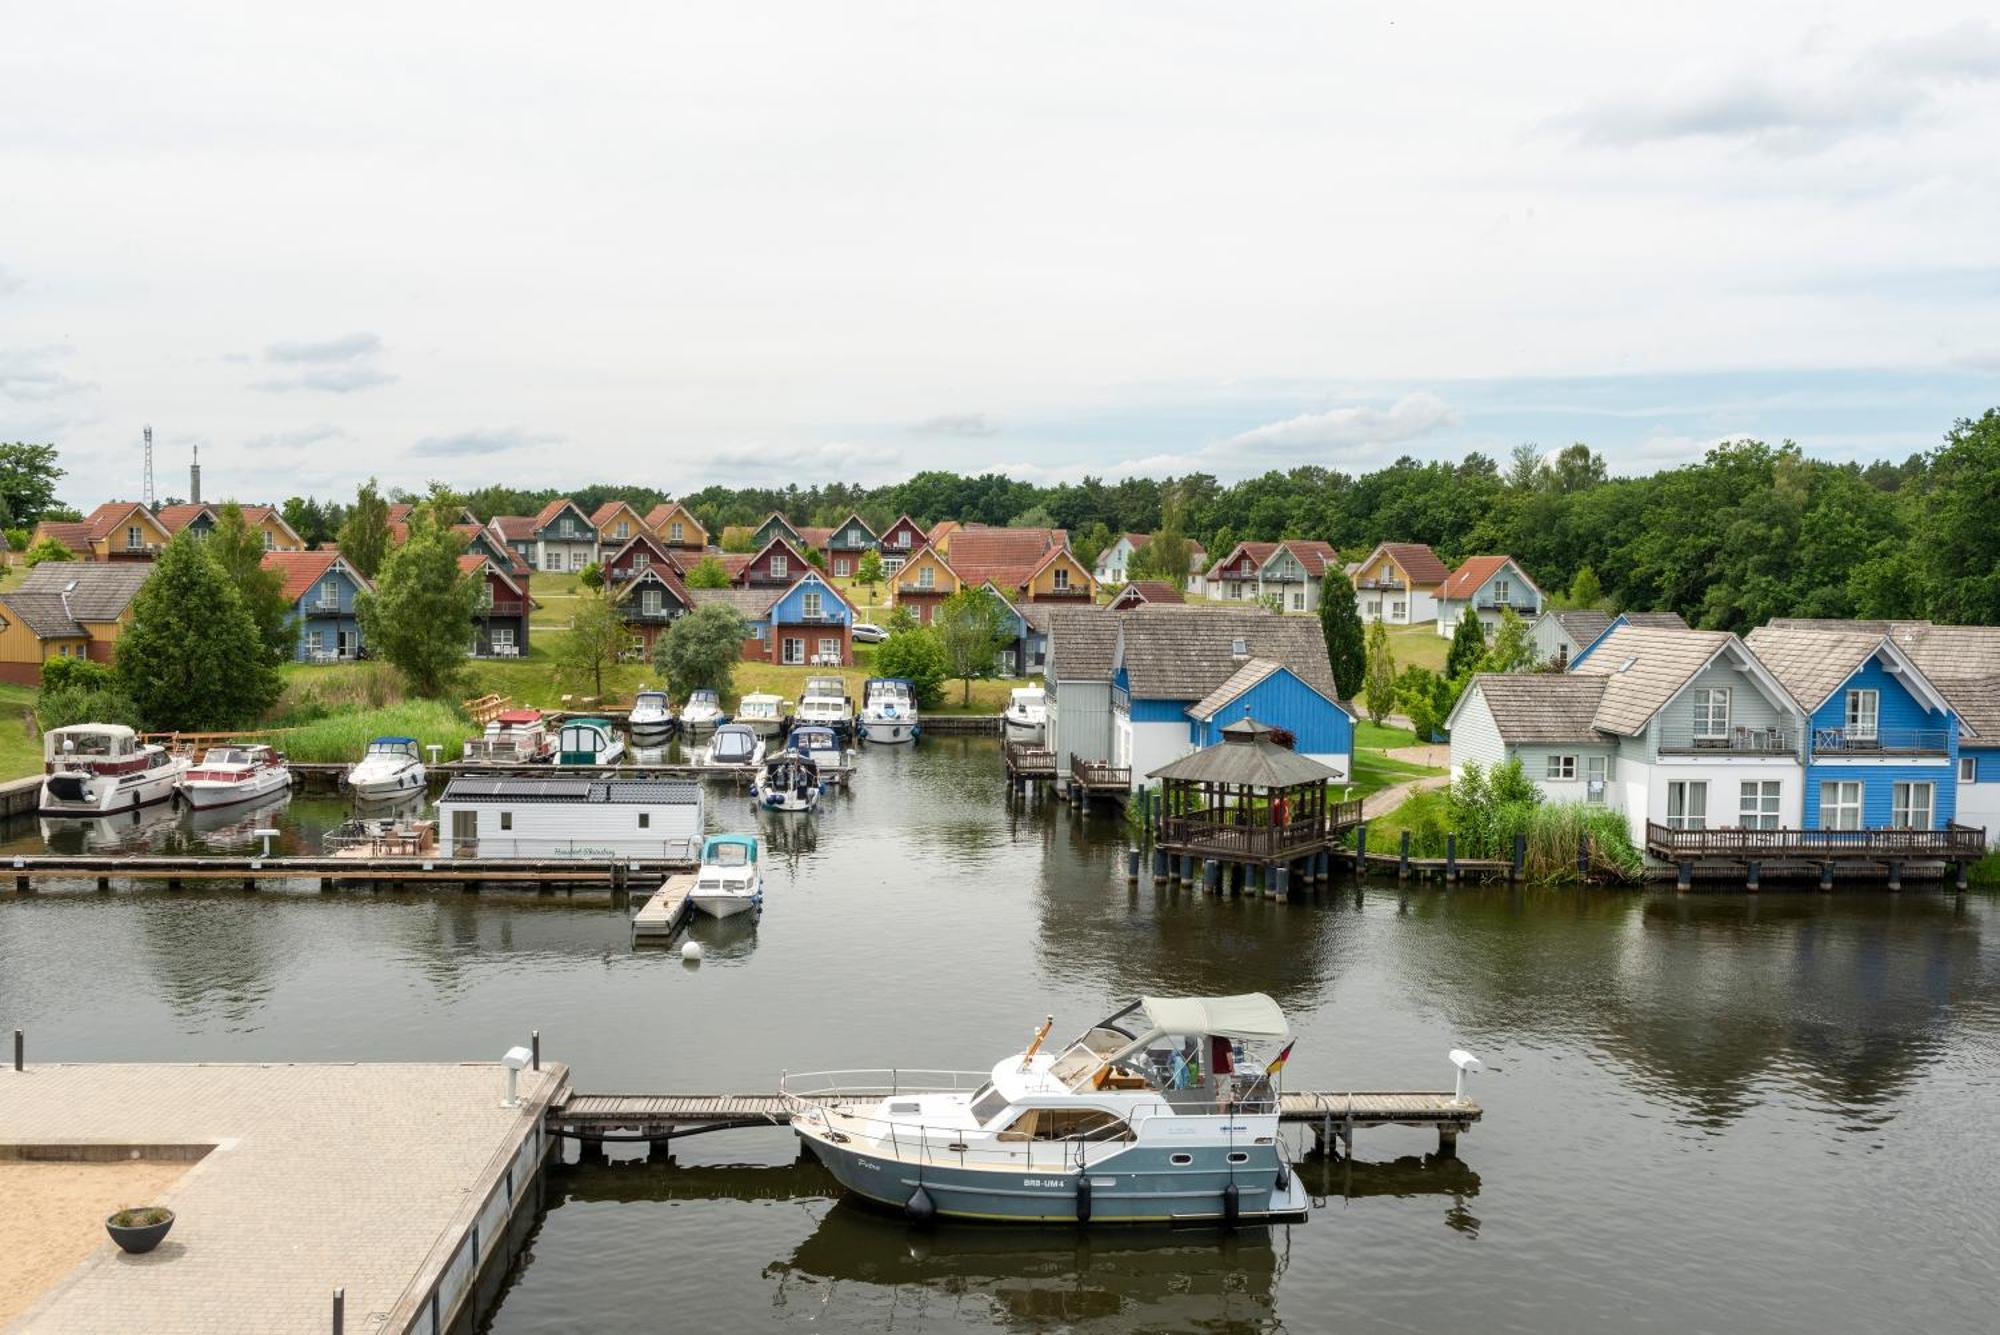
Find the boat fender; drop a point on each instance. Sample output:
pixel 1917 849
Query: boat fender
pixel 1284 1176
pixel 1231 1206
pixel 920 1208
pixel 1082 1199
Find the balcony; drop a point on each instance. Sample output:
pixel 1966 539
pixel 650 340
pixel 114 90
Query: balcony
pixel 1076 592
pixel 1681 740
pixel 650 615
pixel 1495 606
pixel 1381 586
pixel 1856 742
pixel 1956 843
pixel 819 619
pixel 501 607
pixel 915 590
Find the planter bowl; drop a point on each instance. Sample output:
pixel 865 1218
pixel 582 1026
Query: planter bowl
pixel 139 1231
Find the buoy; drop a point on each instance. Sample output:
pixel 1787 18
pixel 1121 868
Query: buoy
pixel 1230 1207
pixel 920 1208
pixel 691 952
pixel 1082 1199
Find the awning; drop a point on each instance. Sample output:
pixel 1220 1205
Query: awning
pixel 1250 1016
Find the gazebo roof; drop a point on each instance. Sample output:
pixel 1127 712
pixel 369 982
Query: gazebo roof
pixel 1247 757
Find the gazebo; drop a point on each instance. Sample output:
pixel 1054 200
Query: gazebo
pixel 1249 802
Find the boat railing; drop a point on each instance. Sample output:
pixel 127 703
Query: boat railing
pixel 878 1083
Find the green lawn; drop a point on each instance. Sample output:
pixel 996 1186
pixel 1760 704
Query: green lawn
pixel 1418 646
pixel 555 596
pixel 1373 769
pixel 20 743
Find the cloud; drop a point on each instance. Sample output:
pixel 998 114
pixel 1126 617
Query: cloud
pixel 10 281
pixel 343 349
pixel 336 365
pixel 332 379
pixel 1969 50
pixel 297 439
pixel 1411 416
pixel 956 424
pixel 26 375
pixel 483 440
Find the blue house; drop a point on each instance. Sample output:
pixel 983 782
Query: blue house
pixel 321 587
pixel 1648 620
pixel 1321 727
pixel 1881 743
pixel 1024 626
pixel 809 623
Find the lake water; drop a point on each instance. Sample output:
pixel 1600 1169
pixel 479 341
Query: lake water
pixel 1709 1113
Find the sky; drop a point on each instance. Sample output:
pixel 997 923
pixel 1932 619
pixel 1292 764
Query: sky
pixel 757 244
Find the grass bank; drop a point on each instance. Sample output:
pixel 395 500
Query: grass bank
pixel 20 740
pixel 343 737
pixel 1374 769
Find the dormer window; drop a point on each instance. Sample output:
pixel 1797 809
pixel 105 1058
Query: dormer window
pixel 132 540
pixel 270 541
pixel 1501 592
pixel 677 532
pixel 640 560
pixel 1239 648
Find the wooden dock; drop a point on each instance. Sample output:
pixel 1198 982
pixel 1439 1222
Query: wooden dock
pixel 663 915
pixel 1028 762
pixel 463 873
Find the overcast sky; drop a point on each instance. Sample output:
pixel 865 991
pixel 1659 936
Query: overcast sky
pixel 770 242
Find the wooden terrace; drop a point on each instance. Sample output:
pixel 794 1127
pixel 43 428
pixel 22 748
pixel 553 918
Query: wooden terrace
pixel 1750 854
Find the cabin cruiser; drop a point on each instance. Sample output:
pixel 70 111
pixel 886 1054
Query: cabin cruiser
pixel 1027 714
pixel 588 741
pixel 789 781
pixel 651 721
pixel 889 710
pixel 93 769
pixel 734 746
pixel 1156 1113
pixel 702 711
pixel 765 714
pixel 825 701
pixel 821 745
pixel 390 769
pixel 228 775
pixel 512 737
pixel 234 828
pixel 729 880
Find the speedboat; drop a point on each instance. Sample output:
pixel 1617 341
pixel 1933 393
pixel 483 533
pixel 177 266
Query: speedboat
pixel 94 769
pixel 788 781
pixel 588 741
pixel 1027 713
pixel 889 711
pixel 734 746
pixel 390 769
pixel 512 737
pixel 821 745
pixel 702 711
pixel 1156 1113
pixel 729 881
pixel 651 721
pixel 764 713
pixel 228 775
pixel 825 701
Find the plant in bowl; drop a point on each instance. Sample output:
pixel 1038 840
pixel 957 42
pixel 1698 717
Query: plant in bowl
pixel 141 1229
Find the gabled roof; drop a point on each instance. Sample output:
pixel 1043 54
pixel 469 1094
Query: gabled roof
pixel 174 518
pixel 1141 591
pixel 1251 674
pixel 1009 557
pixel 552 509
pixel 732 563
pixel 1169 654
pixel 470 562
pixel 1655 620
pixel 811 535
pixel 1539 707
pixel 1311 554
pixel 303 570
pixel 778 515
pixel 1963 662
pixel 793 552
pixel 941 533
pixel 608 511
pixel 900 521
pixel 665 510
pixel 515 528
pixel 106 518
pixel 71 533
pixel 1813 664
pixel 1258 552
pixel 1581 625
pixel 1418 561
pixel 854 517
pixel 1475 571
pixel 255 515
pixel 751 604
pixel 661 555
pixel 663 575
pixel 102 589
pixel 1054 555
pixel 1645 667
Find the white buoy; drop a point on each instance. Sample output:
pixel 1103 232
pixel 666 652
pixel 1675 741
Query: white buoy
pixel 691 952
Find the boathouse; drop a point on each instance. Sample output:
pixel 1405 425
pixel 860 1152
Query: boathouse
pixel 579 817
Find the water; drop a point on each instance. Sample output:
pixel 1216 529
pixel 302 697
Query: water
pixel 1703 1114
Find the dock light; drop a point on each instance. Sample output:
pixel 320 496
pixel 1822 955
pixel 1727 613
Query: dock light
pixel 267 836
pixel 434 748
pixel 515 1061
pixel 1464 1061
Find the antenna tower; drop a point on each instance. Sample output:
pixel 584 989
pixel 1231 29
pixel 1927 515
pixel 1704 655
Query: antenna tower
pixel 151 499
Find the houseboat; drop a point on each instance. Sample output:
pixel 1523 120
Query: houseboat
pixel 588 741
pixel 402 832
pixel 230 775
pixel 702 711
pixel 569 816
pixel 889 711
pixel 765 714
pixel 821 745
pixel 824 701
pixel 788 781
pixel 729 881
pixel 512 737
pixel 1027 714
pixel 651 721
pixel 391 768
pixel 1155 1114
pixel 733 746
pixel 93 769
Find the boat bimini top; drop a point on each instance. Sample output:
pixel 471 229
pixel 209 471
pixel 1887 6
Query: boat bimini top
pixel 1097 1056
pixel 729 850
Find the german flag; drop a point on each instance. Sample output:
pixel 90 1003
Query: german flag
pixel 1277 1063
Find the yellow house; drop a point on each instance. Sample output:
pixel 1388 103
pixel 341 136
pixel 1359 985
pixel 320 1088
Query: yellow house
pixel 66 609
pixel 676 526
pixel 114 531
pixel 925 580
pixel 1061 577
pixel 616 523
pixel 202 519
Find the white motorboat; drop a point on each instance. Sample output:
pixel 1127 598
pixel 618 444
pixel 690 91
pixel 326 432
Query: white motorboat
pixel 1027 713
pixel 824 701
pixel 788 781
pixel 702 711
pixel 729 881
pixel 1156 1113
pixel 889 711
pixel 589 741
pixel 512 737
pixel 733 746
pixel 651 721
pixel 94 769
pixel 821 745
pixel 228 775
pixel 763 713
pixel 390 769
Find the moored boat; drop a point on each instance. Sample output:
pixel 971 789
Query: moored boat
pixel 729 880
pixel 512 737
pixel 733 746
pixel 1027 713
pixel 390 769
pixel 651 721
pixel 765 714
pixel 588 741
pixel 703 711
pixel 229 775
pixel 788 781
pixel 824 701
pixel 821 745
pixel 889 711
pixel 94 769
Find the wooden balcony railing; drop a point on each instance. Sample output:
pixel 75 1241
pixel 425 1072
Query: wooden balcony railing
pixel 1099 774
pixel 1956 843
pixel 1226 837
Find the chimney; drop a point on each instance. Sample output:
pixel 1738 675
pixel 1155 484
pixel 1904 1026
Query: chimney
pixel 194 478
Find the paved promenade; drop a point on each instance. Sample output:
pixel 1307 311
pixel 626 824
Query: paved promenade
pixel 363 1176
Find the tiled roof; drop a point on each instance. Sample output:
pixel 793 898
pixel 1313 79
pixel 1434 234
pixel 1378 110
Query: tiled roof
pixel 44 614
pixel 1169 654
pixel 1007 556
pixel 1419 562
pixel 1258 552
pixel 174 518
pixel 515 528
pixel 73 534
pixel 1812 663
pixel 1977 703
pixel 1644 668
pixel 813 536
pixel 1582 626
pixel 1656 620
pixel 1963 662
pixel 751 603
pixel 302 570
pixel 1543 706
pixel 1147 591
pixel 603 514
pixel 1312 554
pixel 108 516
pixel 732 563
pixel 102 591
pixel 1473 572
pixel 1239 681
pixel 470 562
pixel 551 510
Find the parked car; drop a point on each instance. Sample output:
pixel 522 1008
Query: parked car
pixel 867 632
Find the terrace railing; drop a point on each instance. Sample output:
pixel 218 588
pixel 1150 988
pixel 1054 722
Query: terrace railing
pixel 1682 739
pixel 1955 843
pixel 1881 742
pixel 1099 774
pixel 1226 836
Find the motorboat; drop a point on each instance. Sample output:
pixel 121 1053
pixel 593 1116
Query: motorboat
pixel 765 714
pixel 228 775
pixel 889 711
pixel 94 769
pixel 391 768
pixel 1156 1113
pixel 588 741
pixel 702 711
pixel 512 737
pixel 651 721
pixel 729 880
pixel 1027 714
pixel 235 828
pixel 734 746
pixel 821 745
pixel 788 781
pixel 825 701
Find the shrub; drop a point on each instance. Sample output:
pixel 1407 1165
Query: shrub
pixel 916 656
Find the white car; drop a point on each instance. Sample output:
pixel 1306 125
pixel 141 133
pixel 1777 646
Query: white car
pixel 867 632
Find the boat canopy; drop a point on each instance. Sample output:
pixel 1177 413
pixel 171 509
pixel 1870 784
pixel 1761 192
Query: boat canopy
pixel 817 734
pixel 1032 695
pixel 1251 1016
pixel 903 682
pixel 596 723
pixel 515 717
pixel 703 693
pixel 89 739
pixel 729 850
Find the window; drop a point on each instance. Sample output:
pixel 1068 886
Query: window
pixel 270 541
pixel 132 537
pixel 1298 600
pixel 503 635
pixel 812 605
pixel 1840 806
pixel 649 601
pixel 641 560
pixel 645 820
pixel 829 647
pixel 1863 709
pixel 1375 607
pixel 1062 578
pixel 624 529
pixel 779 565
pixel 795 650
pixel 1910 806
pixel 1687 805
pixel 1560 767
pixel 329 593
pixel 903 538
pixel 1711 714
pixel 840 566
pixel 577 560
pixel 1758 809
pixel 1968 769
pixel 1396 610
pixel 677 532
pixel 506 820
pixel 1597 772
pixel 1501 592
pixel 1239 647
pixel 924 577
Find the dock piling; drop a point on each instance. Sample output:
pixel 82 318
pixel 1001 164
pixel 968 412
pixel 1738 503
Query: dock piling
pixel 1131 866
pixel 1520 857
pixel 535 1047
pixel 1360 851
pixel 1895 877
pixel 1284 882
pixel 1403 859
pixel 1683 877
pixel 1958 875
pixel 1159 865
pixel 1752 874
pixel 339 1311
pixel 1451 857
pixel 20 1050
pixel 1826 876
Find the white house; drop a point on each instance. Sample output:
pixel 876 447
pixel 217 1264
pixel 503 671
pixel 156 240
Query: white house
pixel 1114 562
pixel 1484 586
pixel 1398 584
pixel 1560 636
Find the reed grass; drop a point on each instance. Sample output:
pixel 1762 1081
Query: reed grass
pixel 343 738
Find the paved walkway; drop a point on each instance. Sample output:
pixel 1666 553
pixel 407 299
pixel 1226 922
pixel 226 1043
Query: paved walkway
pixel 1385 800
pixel 1434 755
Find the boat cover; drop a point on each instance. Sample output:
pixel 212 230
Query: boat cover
pixel 1250 1016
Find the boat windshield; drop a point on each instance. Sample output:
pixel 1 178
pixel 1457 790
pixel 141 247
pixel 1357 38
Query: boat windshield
pixel 392 746
pixel 732 745
pixel 703 697
pixel 987 1104
pixel 827 686
pixel 729 855
pixel 226 755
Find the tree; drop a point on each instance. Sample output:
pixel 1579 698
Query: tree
pixel 915 656
pixel 970 632
pixel 595 639
pixel 1340 624
pixel 869 574
pixel 1584 591
pixel 707 573
pixel 193 659
pixel 1960 550
pixel 1428 698
pixel 239 549
pixel 739 538
pixel 1274 603
pixel 1165 556
pixel 1512 650
pixel 364 537
pixel 420 616
pixel 81 690
pixel 1468 646
pixel 1379 690
pixel 46 549
pixel 701 649
pixel 591 576
pixel 1089 543
pixel 28 476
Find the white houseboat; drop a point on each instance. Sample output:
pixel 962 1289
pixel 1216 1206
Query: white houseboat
pixel 93 769
pixel 589 741
pixel 230 775
pixel 512 737
pixel 569 816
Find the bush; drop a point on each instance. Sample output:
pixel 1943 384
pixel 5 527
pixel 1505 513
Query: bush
pixel 1487 808
pixel 916 656
pixel 62 706
pixel 18 539
pixel 82 673
pixel 591 576
pixel 47 549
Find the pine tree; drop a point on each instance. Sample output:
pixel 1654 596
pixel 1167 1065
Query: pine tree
pixel 1346 644
pixel 1468 646
pixel 1380 689
pixel 420 615
pixel 193 659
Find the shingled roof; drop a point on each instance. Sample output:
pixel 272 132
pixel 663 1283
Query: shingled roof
pixel 101 591
pixel 1007 556
pixel 1656 620
pixel 1171 655
pixel 1258 552
pixel 1644 668
pixel 1582 626
pixel 303 570
pixel 751 604
pixel 1141 591
pixel 1813 664
pixel 1542 707
pixel 1082 641
pixel 1418 561
pixel 1246 756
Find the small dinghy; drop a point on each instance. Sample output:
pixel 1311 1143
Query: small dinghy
pixel 788 782
pixel 729 881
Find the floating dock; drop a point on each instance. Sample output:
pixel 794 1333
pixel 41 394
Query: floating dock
pixel 663 915
pixel 330 872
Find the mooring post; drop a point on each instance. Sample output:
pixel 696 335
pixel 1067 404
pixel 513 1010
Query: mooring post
pixel 1684 877
pixel 339 1311
pixel 104 883
pixel 1211 875
pixel 1131 866
pixel 1187 869
pixel 1447 1141
pixel 1403 859
pixel 1159 865
pixel 535 1047
pixel 1751 873
pixel 20 1050
pixel 1520 857
pixel 1583 856
pixel 1284 882
pixel 1958 870
pixel 1360 849
pixel 1826 876
pixel 1451 857
pixel 1895 876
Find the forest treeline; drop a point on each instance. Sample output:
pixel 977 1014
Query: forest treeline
pixel 1751 532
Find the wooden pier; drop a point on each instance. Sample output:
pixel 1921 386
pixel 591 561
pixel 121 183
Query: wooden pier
pixel 663 915
pixel 1097 778
pixel 463 873
pixel 1028 762
pixel 1748 857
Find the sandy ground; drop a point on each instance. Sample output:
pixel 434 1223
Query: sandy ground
pixel 52 1216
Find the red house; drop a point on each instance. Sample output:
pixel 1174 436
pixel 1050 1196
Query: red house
pixel 900 540
pixel 779 564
